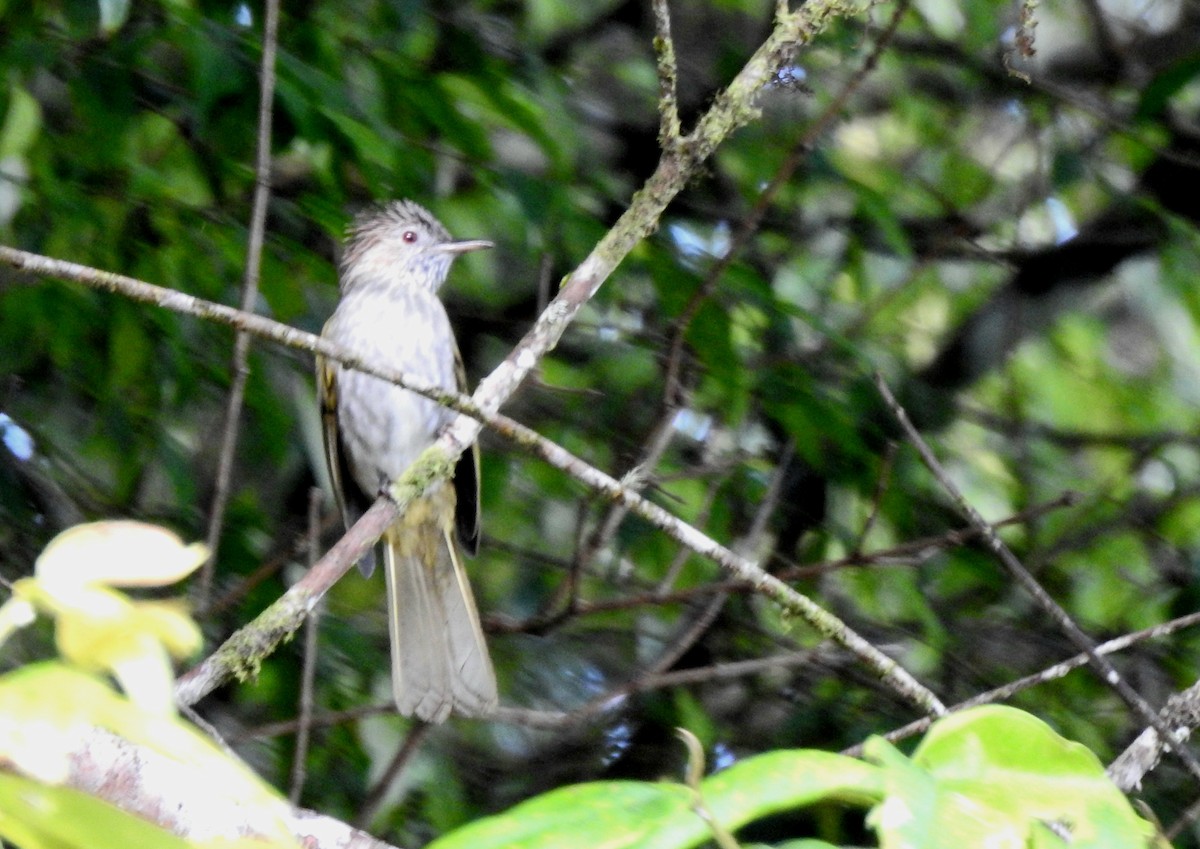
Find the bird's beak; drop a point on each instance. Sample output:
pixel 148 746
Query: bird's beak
pixel 465 246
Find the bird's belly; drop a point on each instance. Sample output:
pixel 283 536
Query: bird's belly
pixel 384 435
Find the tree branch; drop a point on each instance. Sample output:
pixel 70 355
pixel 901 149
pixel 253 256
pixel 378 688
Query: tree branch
pixel 732 108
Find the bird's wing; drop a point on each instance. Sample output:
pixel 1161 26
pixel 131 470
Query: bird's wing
pixel 335 454
pixel 466 480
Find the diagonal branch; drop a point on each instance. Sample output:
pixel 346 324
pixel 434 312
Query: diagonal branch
pixel 239 655
pixel 732 108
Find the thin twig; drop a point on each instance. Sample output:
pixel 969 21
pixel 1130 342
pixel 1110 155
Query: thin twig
pixel 748 544
pixel 284 553
pixel 561 719
pixel 750 224
pixel 741 669
pixel 1050 673
pixel 881 485
pixel 683 555
pixel 1108 673
pixel 669 132
pixel 693 777
pixel 377 795
pixel 241 347
pixel 910 553
pixel 648 683
pixel 308 672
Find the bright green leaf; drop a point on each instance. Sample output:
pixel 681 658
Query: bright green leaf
pixel 991 776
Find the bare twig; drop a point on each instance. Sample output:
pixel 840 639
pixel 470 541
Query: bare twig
pixel 377 795
pixel 676 678
pixel 1108 673
pixel 668 70
pixel 309 669
pixel 683 555
pixel 562 719
pixel 692 779
pixel 241 347
pixel 565 600
pixel 1181 715
pixel 1050 673
pixel 284 553
pixel 232 659
pixel 881 485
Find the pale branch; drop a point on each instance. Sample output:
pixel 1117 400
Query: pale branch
pixel 1017 571
pixel 731 109
pixel 241 654
pixel 668 76
pixel 250 644
pixel 691 633
pixel 254 251
pixel 910 553
pixel 565 600
pixel 1181 716
pixel 740 567
pixel 255 325
pixel 636 478
pixel 703 513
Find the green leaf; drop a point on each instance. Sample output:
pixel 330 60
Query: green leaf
pixel 600 815
pixel 367 143
pixel 711 336
pixel 162 165
pixel 39 816
pixel 994 776
pixel 767 784
pixel 618 814
pixel 1166 85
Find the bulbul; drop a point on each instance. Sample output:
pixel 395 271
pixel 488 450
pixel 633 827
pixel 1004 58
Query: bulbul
pixel 396 258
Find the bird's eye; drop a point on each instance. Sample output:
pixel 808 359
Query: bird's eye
pixel 409 236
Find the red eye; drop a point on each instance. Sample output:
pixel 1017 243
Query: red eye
pixel 409 236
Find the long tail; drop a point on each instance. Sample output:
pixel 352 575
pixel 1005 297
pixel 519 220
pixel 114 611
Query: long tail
pixel 440 661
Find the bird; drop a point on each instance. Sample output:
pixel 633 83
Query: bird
pixel 395 260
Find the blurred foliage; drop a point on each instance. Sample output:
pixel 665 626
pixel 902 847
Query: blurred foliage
pixel 988 776
pixel 1017 259
pixel 58 717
